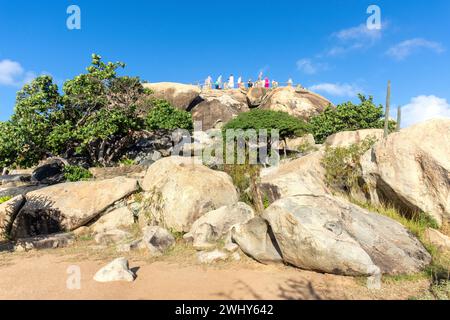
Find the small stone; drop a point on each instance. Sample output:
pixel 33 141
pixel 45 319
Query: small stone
pixel 231 247
pixel 112 236
pixel 374 282
pixel 118 270
pixel 158 240
pixel 208 257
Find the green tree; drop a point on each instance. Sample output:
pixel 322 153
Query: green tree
pixel 37 110
pixel 164 116
pixel 348 117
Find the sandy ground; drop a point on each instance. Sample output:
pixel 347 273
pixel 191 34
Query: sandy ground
pixel 43 275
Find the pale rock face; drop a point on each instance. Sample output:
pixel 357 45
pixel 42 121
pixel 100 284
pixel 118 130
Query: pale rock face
pixel 179 192
pixel 68 206
pixel 157 240
pixel 297 143
pixel 8 212
pixel 256 240
pixel 179 95
pixel 215 225
pixel 303 104
pixel 347 138
pixel 255 96
pixel 206 257
pixel 60 240
pixel 411 169
pixel 439 240
pixel 305 175
pixel 118 270
pixel 121 217
pixel 114 236
pixel 326 234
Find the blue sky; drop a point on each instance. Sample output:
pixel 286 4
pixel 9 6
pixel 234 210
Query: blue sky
pixel 322 44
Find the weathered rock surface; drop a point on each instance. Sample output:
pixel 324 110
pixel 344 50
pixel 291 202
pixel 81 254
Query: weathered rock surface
pixel 121 217
pixel 208 257
pixel 9 191
pixel 15 180
pixel 218 109
pixel 50 172
pixel 118 270
pixel 255 96
pixel 301 176
pixel 113 172
pixel 179 95
pixel 60 240
pixel 302 104
pixel 157 240
pixel 296 144
pixel 256 239
pixel 179 192
pixel 114 236
pixel 8 212
pixel 439 240
pixel 347 138
pixel 326 234
pixel 215 225
pixel 411 169
pixel 68 206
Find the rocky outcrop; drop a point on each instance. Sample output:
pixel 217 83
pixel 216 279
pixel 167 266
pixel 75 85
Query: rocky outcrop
pixel 68 206
pixel 8 212
pixel 217 224
pixel 347 138
pixel 411 169
pixel 302 104
pixel 118 270
pixel 179 95
pixel 132 171
pixel 50 172
pixel 208 257
pixel 301 176
pixel 53 241
pixel 300 144
pixel 326 234
pixel 255 96
pixel 179 192
pixel 121 217
pixel 219 107
pixel 255 238
pixel 437 239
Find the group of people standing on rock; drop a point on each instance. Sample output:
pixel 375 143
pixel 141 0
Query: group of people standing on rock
pixel 219 84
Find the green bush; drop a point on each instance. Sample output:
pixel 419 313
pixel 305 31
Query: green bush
pixel 164 116
pixel 348 117
pixel 342 165
pixel 4 199
pixel 75 173
pixel 287 125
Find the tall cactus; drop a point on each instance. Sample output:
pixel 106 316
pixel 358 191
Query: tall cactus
pixel 399 118
pixel 388 109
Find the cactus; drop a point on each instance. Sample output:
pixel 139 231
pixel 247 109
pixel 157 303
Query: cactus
pixel 388 109
pixel 399 118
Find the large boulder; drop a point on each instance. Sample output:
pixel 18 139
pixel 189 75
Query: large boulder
pixel 179 192
pixel 302 104
pixel 330 235
pixel 255 96
pixel 68 206
pixel 217 224
pixel 219 107
pixel 50 171
pixel 305 175
pixel 256 239
pixel 157 240
pixel 179 95
pixel 347 138
pixel 438 239
pixel 410 169
pixel 8 212
pixel 120 217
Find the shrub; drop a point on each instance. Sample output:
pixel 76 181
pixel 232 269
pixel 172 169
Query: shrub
pixel 342 165
pixel 348 117
pixel 4 199
pixel 287 125
pixel 164 116
pixel 75 173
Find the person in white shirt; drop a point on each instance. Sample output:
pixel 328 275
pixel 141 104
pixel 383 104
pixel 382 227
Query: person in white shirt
pixel 231 82
pixel 290 82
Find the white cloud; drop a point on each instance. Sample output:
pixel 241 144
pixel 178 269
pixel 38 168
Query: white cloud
pixel 13 74
pixel 9 72
pixel 310 67
pixel 424 108
pixel 403 49
pixel 337 89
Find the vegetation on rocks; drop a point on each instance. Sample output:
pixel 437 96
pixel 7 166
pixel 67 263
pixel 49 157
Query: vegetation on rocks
pixel 75 173
pixel 349 117
pixel 4 199
pixel 164 116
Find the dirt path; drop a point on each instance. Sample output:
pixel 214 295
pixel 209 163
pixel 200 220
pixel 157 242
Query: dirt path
pixel 43 276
